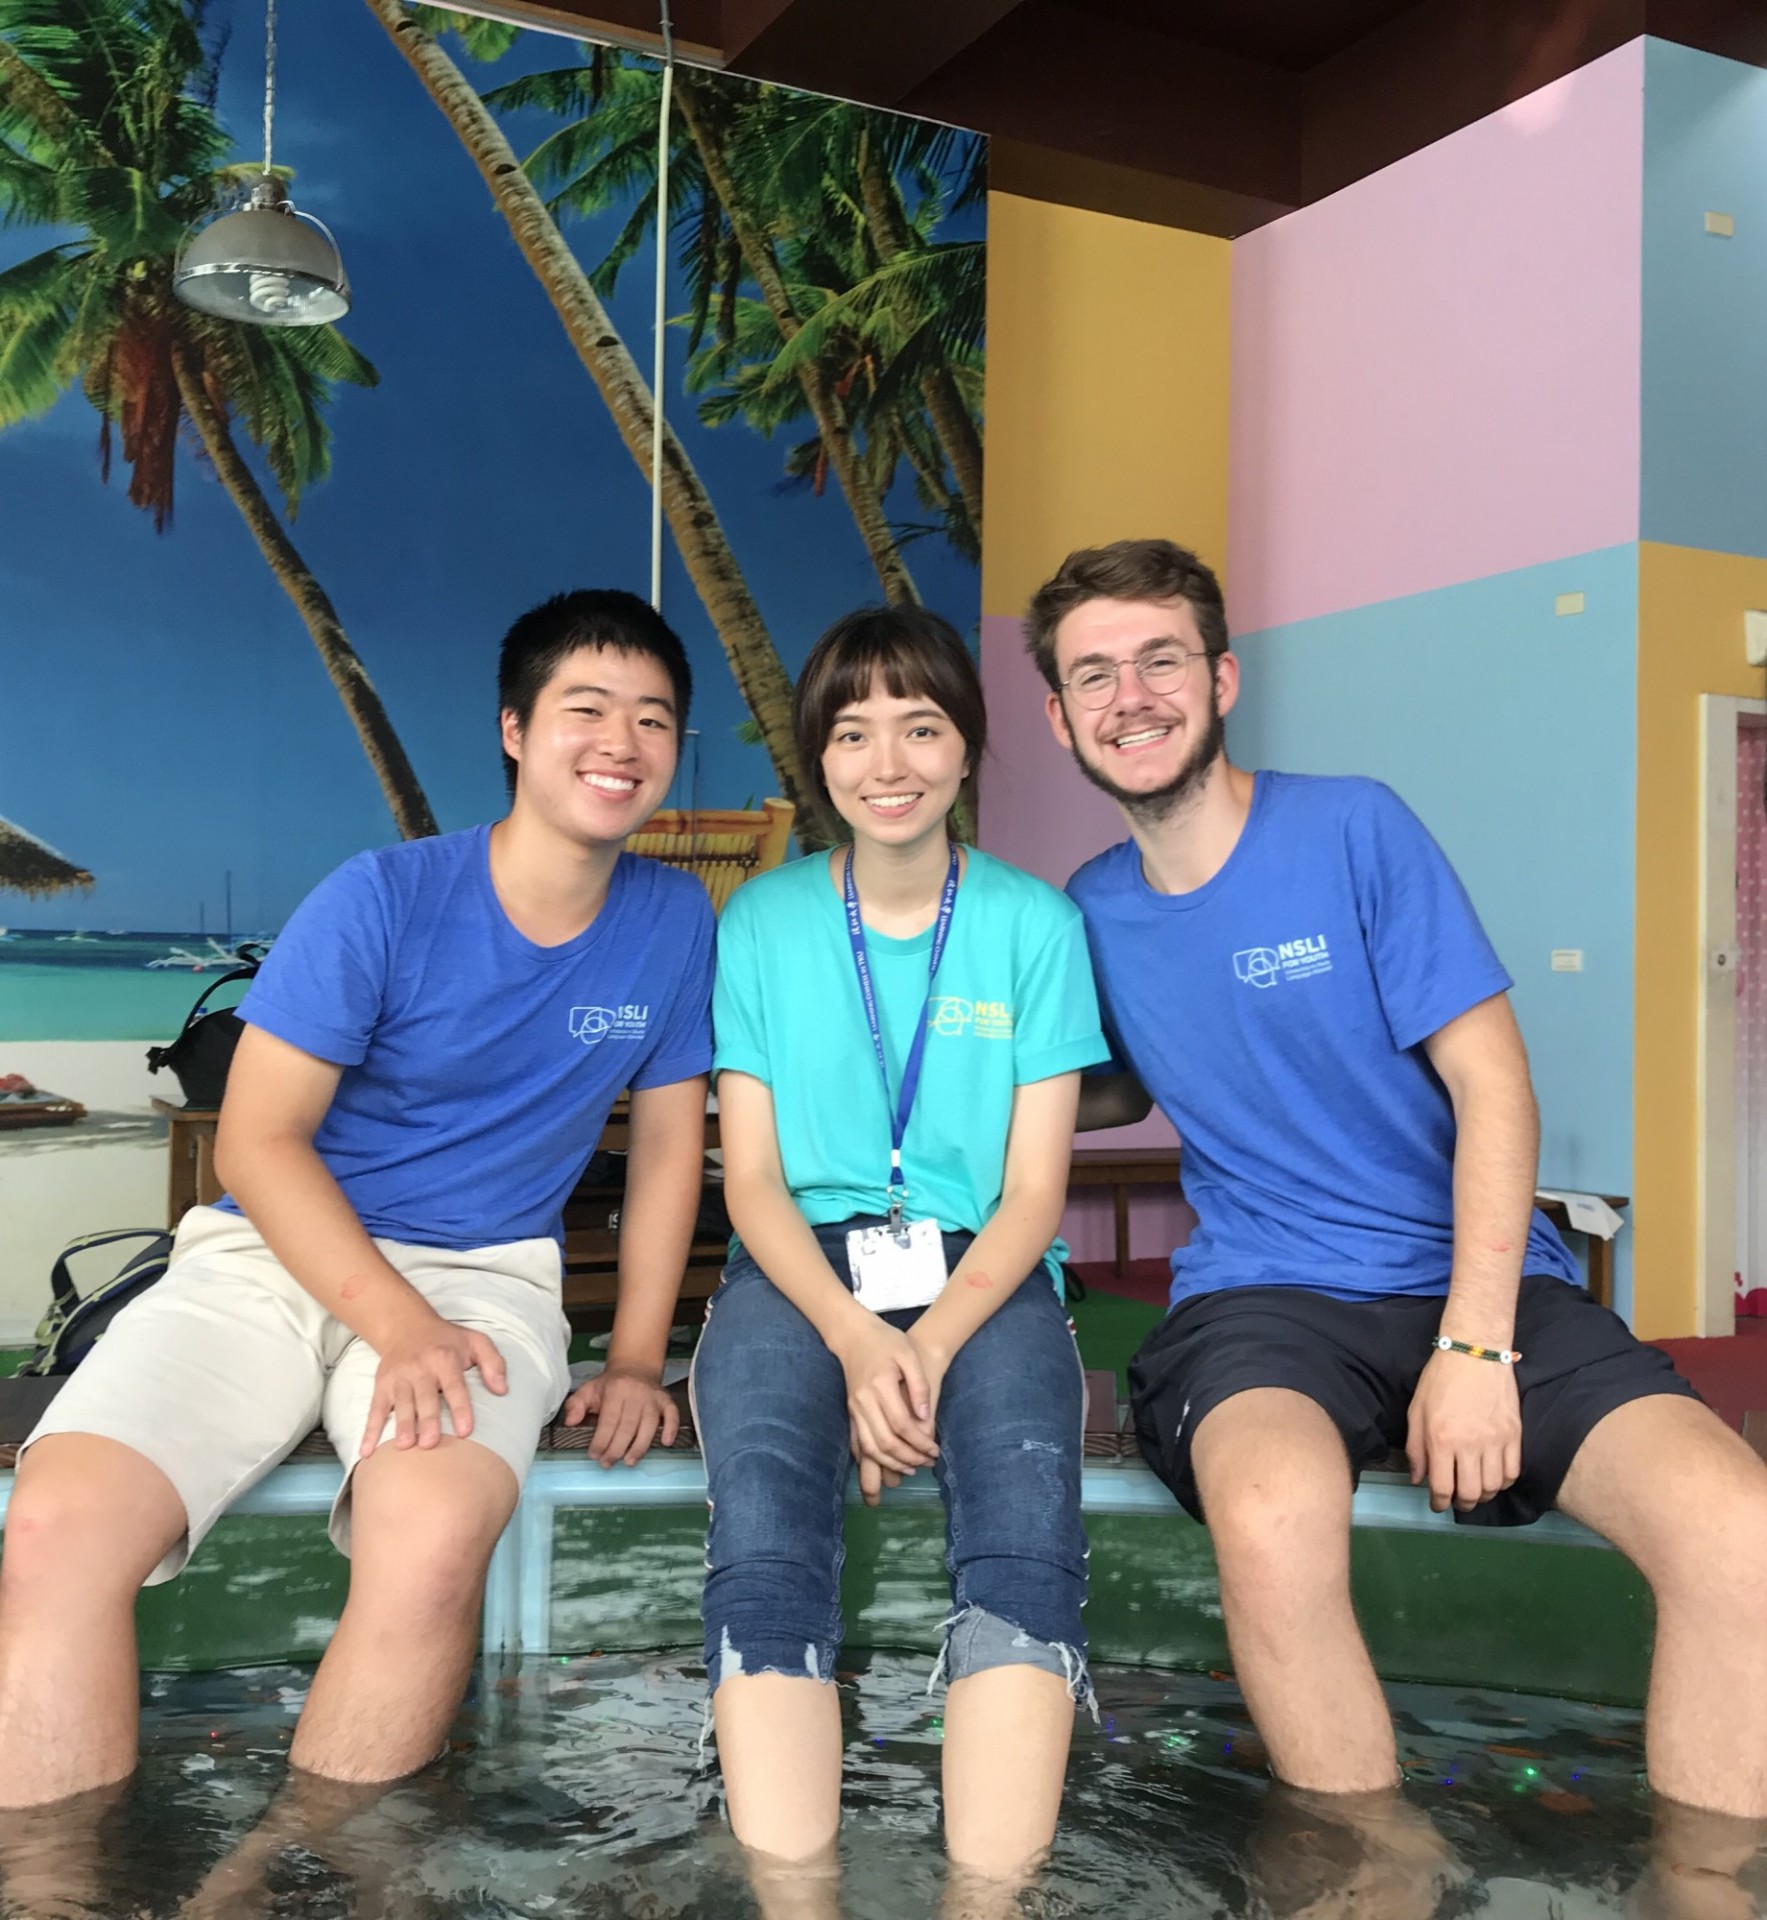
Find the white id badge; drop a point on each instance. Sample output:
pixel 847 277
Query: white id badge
pixel 889 1277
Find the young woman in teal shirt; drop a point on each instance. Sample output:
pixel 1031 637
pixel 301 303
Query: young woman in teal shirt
pixel 900 1028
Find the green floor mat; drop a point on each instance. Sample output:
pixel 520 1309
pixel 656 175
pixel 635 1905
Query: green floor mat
pixel 1111 1328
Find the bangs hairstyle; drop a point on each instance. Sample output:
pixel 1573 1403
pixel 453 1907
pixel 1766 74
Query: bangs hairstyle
pixel 1126 570
pixel 914 653
pixel 547 635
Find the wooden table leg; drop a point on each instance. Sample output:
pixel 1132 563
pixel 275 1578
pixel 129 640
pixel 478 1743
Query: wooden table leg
pixel 1120 1198
pixel 1601 1270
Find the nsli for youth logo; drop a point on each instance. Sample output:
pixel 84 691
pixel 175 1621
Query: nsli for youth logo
pixel 1287 960
pixel 592 1025
pixel 1256 966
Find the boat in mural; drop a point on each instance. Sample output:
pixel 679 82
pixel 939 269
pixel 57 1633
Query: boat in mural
pixel 214 958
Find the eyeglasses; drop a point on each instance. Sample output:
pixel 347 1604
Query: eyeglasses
pixel 1162 671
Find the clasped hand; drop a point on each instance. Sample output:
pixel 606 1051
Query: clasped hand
pixel 892 1403
pixel 1464 1435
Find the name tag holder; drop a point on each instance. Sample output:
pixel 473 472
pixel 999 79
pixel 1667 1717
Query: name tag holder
pixel 896 1269
pixel 901 1265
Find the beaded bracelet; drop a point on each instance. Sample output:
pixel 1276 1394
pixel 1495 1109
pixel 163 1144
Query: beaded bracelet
pixel 1504 1356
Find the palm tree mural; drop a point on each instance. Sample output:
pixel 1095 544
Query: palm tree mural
pixel 861 322
pixel 693 520
pixel 915 304
pixel 867 324
pixel 106 134
pixel 33 868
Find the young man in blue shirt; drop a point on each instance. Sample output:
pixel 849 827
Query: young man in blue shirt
pixel 429 1057
pixel 1291 970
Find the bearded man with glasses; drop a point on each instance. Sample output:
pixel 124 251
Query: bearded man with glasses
pixel 1291 969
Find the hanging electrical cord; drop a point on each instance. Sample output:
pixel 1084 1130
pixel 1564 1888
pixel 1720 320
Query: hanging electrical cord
pixel 660 361
pixel 269 78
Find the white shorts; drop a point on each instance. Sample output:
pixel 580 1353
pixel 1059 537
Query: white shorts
pixel 219 1370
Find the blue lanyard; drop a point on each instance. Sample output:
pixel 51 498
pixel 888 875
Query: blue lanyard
pixel 917 1050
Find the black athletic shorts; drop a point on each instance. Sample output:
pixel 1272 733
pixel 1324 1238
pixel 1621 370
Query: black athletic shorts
pixel 1360 1359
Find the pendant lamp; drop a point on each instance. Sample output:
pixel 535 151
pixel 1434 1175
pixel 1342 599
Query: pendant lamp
pixel 269 263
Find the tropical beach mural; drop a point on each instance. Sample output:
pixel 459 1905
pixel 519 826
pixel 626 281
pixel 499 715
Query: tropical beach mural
pixel 252 579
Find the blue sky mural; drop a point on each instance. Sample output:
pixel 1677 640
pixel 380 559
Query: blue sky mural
pixel 165 719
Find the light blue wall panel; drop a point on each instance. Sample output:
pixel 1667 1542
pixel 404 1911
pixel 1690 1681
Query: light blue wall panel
pixel 1705 302
pixel 1510 729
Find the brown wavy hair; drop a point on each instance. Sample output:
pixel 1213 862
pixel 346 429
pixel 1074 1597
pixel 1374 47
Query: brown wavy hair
pixel 1125 570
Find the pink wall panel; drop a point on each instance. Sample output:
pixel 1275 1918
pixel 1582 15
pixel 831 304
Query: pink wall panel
pixel 1436 372
pixel 1037 812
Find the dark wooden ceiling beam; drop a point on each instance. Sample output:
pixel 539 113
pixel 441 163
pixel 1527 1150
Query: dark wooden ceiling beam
pixel 1737 29
pixel 876 53
pixel 1140 107
pixel 1132 98
pixel 1438 67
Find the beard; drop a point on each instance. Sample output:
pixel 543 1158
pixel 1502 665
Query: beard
pixel 1157 805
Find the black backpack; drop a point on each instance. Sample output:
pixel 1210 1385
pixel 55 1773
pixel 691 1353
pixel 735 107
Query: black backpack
pixel 203 1051
pixel 75 1320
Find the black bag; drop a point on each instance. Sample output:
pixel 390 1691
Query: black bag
pixel 203 1050
pixel 75 1320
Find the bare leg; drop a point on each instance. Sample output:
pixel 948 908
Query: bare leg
pixel 808 1889
pixel 779 1745
pixel 422 1529
pixel 306 1813
pixel 1700 1864
pixel 89 1521
pixel 1685 1500
pixel 1275 1489
pixel 54 1860
pixel 1347 1854
pixel 1007 1731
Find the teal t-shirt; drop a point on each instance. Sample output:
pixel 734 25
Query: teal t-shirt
pixel 1013 1003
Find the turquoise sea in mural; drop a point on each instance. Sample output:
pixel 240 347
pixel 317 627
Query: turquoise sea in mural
pixel 77 984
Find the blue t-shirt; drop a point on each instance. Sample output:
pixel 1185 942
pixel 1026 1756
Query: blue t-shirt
pixel 479 1067
pixel 1013 1003
pixel 1277 1015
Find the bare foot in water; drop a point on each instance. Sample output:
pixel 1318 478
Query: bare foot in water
pixel 1703 1866
pixel 1319 1856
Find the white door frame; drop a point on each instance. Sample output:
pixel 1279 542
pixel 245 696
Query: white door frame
pixel 1716 1302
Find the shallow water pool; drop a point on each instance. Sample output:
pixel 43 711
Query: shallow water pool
pixel 571 1788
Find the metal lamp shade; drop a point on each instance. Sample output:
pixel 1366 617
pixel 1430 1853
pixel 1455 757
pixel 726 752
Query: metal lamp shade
pixel 268 265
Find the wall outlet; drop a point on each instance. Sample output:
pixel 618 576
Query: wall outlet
pixel 1567 959
pixel 1568 603
pixel 1754 637
pixel 1722 224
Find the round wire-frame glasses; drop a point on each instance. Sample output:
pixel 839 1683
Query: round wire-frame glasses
pixel 1163 670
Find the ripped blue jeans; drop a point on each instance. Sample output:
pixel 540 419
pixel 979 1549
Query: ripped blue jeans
pixel 771 1408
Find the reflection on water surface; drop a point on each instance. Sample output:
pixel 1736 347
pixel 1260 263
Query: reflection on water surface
pixel 571 1788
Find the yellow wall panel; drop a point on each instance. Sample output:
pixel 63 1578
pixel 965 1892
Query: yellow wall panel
pixel 1690 608
pixel 1107 389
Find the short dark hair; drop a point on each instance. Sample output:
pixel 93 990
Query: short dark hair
pixel 548 634
pixel 1125 570
pixel 915 652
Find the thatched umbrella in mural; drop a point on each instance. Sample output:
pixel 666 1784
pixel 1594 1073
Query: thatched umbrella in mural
pixel 28 866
